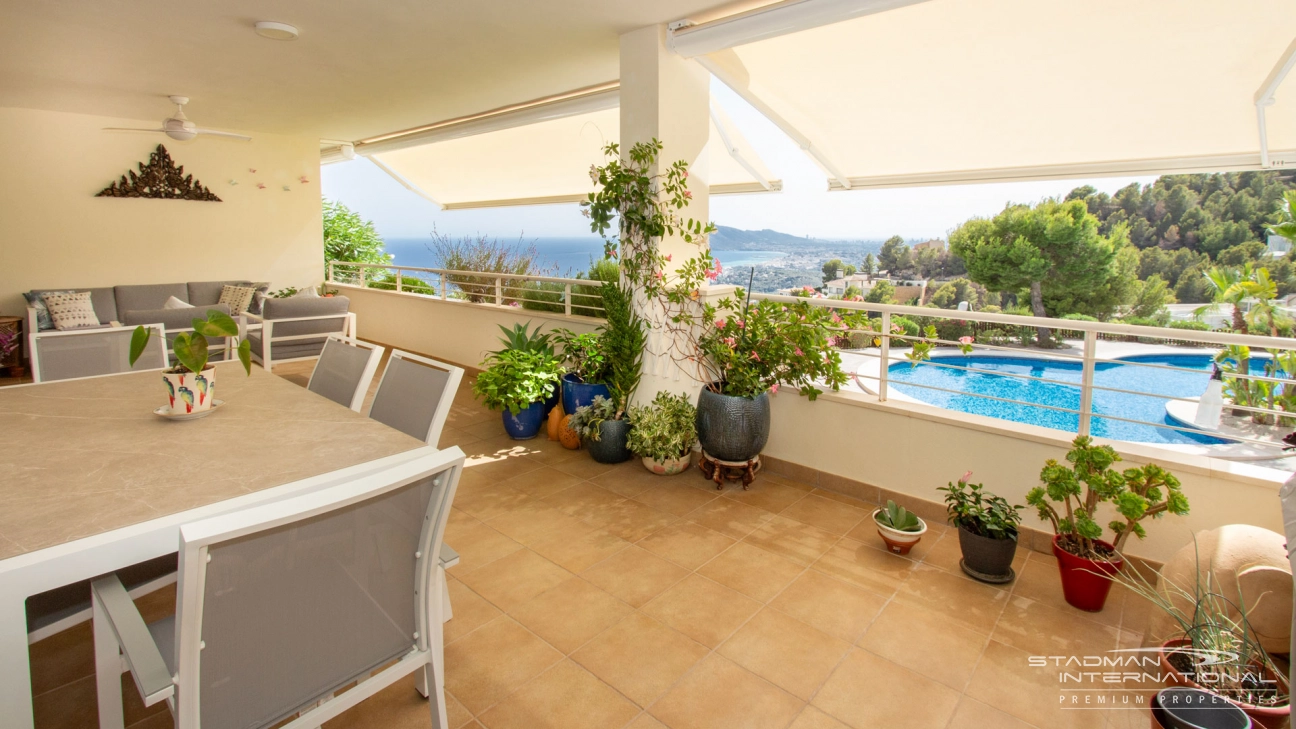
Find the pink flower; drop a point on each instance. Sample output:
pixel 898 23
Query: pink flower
pixel 836 319
pixel 688 194
pixel 720 323
pixel 832 342
pixel 686 174
pixel 730 341
pixel 808 288
pixel 755 356
pixel 741 324
pixel 965 340
pixel 895 329
pixel 612 253
pixel 799 353
pixel 668 257
pixel 966 477
pixel 774 389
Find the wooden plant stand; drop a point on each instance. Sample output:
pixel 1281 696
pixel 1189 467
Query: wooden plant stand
pixel 721 471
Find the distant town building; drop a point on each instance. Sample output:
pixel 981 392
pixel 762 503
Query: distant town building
pixel 905 289
pixel 1278 246
pixel 935 244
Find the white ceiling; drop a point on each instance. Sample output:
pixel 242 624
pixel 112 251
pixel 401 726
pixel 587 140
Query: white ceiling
pixel 359 69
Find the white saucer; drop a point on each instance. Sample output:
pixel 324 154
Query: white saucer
pixel 162 412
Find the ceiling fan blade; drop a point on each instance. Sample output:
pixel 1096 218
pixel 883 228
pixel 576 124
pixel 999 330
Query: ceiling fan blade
pixel 123 129
pixel 224 134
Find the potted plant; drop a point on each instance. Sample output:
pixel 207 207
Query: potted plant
pixel 1216 649
pixel 518 382
pixel 987 526
pixel 1085 561
pixel 192 381
pixel 601 431
pixel 586 367
pixel 663 433
pixel 521 337
pixel 9 341
pixel 899 528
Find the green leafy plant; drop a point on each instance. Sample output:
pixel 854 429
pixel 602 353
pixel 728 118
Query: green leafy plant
pixel 899 518
pixel 191 348
pixel 515 379
pixel 624 339
pixel 521 337
pixel 665 429
pixel 588 418
pixel 967 505
pixel 350 238
pixel 284 293
pixel 1136 494
pixel 583 355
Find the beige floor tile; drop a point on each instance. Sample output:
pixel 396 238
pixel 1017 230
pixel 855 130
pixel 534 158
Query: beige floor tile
pixel 789 538
pixel 583 466
pixel 640 657
pixel 74 705
pixel 926 642
pixel 752 571
pixel 634 575
pixel 701 609
pixel 719 694
pixel 544 481
pixel 1006 681
pixel 945 553
pixel 570 614
pixel 812 718
pixel 399 706
pixel 687 544
pixel 493 499
pixel 673 496
pixel 867 506
pixel 646 721
pixel 456 713
pixel 974 604
pixel 631 479
pixel 836 607
pixel 583 499
pixel 535 521
pixel 471 611
pixel 729 517
pixel 563 697
pixel 510 581
pixel 866 533
pixel 1043 630
pixel 630 520
pixel 972 714
pixel 869 691
pixel 493 662
pixel 1039 580
pixel 769 493
pixel 478 545
pixel 829 515
pixel 62 658
pixel 785 651
pixel 581 548
pixel 549 452
pixel 873 569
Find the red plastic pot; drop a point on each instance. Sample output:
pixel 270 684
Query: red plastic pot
pixel 1271 717
pixel 1085 583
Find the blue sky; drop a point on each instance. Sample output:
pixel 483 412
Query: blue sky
pixel 803 208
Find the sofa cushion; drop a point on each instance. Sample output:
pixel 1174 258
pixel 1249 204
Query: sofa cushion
pixel 238 298
pixel 172 319
pixel 34 301
pixel 148 296
pixel 202 293
pixel 103 299
pixel 295 308
pixel 71 310
pixel 174 303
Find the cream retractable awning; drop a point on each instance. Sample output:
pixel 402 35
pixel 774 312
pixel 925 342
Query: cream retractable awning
pixel 982 90
pixel 548 162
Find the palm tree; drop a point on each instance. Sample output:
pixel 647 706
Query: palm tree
pixel 1227 286
pixel 1287 226
pixel 1263 289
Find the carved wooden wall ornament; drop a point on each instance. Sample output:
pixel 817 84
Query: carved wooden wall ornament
pixel 160 178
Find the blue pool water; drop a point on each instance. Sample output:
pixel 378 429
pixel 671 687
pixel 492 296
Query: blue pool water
pixel 1159 384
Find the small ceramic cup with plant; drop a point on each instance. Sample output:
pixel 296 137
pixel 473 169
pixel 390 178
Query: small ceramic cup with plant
pixel 899 528
pixel 191 383
pixel 663 433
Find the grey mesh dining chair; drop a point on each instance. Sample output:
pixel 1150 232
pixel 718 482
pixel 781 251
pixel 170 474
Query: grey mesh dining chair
pixel 281 605
pixel 344 370
pixel 415 394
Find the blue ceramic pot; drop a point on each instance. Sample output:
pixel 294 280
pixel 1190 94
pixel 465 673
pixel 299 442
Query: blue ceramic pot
pixel 552 401
pixel 526 424
pixel 576 393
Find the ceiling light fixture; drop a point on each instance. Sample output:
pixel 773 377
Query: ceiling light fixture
pixel 276 31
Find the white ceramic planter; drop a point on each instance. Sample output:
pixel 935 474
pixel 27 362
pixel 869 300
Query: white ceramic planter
pixel 190 393
pixel 668 468
pixel 898 542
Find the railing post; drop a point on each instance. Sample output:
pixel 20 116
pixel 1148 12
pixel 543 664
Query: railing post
pixel 567 299
pixel 441 278
pixel 499 291
pixel 363 270
pixel 331 277
pixel 883 371
pixel 1086 382
pixel 398 281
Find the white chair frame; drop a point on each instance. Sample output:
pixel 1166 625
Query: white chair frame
pixel 366 377
pixel 266 326
pixel 35 338
pixel 122 642
pixel 443 408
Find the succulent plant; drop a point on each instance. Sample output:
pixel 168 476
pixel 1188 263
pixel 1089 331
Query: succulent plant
pixel 899 518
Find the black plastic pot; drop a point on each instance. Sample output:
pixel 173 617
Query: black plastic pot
pixel 733 428
pixel 1188 708
pixel 611 445
pixel 986 559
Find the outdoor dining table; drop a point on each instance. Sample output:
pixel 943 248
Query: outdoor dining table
pixel 92 481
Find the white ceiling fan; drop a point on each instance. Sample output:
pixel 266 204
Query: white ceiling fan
pixel 179 127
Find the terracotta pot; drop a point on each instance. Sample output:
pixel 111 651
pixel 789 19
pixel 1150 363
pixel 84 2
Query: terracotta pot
pixel 1081 587
pixel 190 393
pixel 669 467
pixel 1271 717
pixel 567 435
pixel 898 542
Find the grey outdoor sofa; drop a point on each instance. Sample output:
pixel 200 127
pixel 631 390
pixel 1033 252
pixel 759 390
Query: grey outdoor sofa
pixel 100 350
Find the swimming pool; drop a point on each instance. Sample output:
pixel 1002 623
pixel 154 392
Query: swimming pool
pixel 1159 384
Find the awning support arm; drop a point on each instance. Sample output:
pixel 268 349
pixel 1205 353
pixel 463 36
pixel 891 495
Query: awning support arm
pixel 1265 97
pixel 405 183
pixel 726 137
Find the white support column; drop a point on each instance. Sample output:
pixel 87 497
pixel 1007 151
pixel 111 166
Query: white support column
pixel 667 97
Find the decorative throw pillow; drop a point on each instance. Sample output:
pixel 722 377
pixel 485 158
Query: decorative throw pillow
pixel 237 297
pixel 72 310
pixel 34 300
pixel 174 303
pixel 307 293
pixel 258 299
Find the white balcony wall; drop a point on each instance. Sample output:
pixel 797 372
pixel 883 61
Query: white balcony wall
pixel 58 234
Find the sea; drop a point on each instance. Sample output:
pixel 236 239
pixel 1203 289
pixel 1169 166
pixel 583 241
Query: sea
pixel 568 256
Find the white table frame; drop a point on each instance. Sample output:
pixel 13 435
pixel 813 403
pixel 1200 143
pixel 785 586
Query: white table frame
pixel 36 572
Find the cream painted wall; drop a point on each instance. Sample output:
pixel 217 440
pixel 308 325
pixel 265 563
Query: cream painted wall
pixel 57 233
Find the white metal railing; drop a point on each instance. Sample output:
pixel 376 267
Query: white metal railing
pixel 571 296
